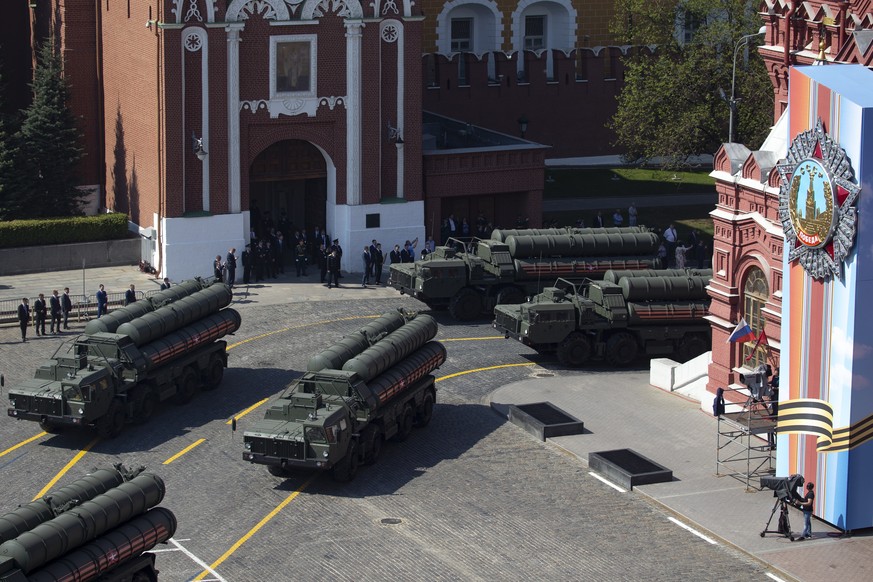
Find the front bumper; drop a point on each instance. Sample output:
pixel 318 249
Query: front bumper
pixel 37 417
pixel 312 464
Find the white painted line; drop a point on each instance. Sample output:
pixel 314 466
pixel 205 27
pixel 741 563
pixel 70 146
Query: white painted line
pixel 198 561
pixel 692 530
pixel 166 550
pixel 774 577
pixel 613 485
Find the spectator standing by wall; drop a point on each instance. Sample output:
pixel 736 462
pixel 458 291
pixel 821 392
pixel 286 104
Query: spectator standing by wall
pixel 367 263
pixel 216 268
pixel 166 284
pixel 23 318
pixel 66 306
pixel 323 254
pixel 130 295
pixel 55 311
pixel 395 255
pixel 598 220
pixel 671 237
pixel 333 268
pixel 617 218
pixel 378 261
pixel 247 264
pixel 230 263
pixel 632 215
pixel 102 300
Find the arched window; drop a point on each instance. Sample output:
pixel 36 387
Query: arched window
pixel 755 295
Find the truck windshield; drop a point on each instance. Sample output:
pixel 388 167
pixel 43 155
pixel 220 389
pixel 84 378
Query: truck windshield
pixel 315 434
pixel 73 392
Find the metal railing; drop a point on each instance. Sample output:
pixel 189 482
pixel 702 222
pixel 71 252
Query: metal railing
pixel 84 307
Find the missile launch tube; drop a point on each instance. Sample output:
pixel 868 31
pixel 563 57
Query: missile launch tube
pixel 393 348
pixel 424 361
pixel 27 517
pixel 119 545
pixel 199 333
pixel 353 344
pixel 177 314
pixel 110 321
pixel 666 313
pixel 501 235
pixel 584 245
pixel 615 275
pixel 578 267
pixel 663 288
pixel 54 538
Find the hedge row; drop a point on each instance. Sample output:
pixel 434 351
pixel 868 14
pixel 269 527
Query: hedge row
pixel 54 231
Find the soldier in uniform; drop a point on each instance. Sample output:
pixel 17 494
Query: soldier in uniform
pixel 260 261
pixel 39 308
pixel 247 264
pixel 333 267
pixel 323 254
pixel 300 257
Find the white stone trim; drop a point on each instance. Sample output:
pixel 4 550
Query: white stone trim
pixel 518 23
pixel 233 132
pixel 771 228
pixel 400 42
pixel 312 40
pixel 354 143
pixel 178 10
pixel 201 45
pixel 444 26
pixel 350 9
pixel 277 107
pixel 276 10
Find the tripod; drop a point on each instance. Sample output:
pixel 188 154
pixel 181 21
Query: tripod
pixel 784 527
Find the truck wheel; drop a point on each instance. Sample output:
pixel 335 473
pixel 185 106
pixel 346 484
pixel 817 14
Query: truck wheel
pixel 186 387
pixel 466 305
pixel 214 373
pixel 347 468
pixel 510 296
pixel 575 350
pixel 404 424
pixel 112 423
pixel 621 349
pixel 374 445
pixel 50 427
pixel 692 345
pixel 147 407
pixel 425 411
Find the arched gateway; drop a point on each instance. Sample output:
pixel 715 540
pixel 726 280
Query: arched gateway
pixel 289 177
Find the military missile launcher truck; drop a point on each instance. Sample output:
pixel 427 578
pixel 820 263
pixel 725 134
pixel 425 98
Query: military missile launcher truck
pixel 507 271
pixel 374 384
pixel 129 360
pixel 660 314
pixel 99 528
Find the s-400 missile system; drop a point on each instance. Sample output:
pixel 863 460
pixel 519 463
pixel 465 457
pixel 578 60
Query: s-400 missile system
pixel 374 384
pixel 99 528
pixel 660 313
pixel 512 266
pixel 127 361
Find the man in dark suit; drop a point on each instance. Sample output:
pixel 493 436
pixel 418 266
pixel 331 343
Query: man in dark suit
pixel 23 317
pixel 55 309
pixel 130 295
pixel 66 306
pixel 378 260
pixel 102 301
pixel 166 284
pixel 367 259
pixel 230 264
pixel 40 309
pixel 247 264
pixel 394 255
pixel 333 268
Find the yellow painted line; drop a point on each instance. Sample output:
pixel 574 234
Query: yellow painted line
pixel 255 529
pixel 246 411
pixel 472 339
pixel 66 468
pixel 22 443
pixel 456 374
pixel 313 324
pixel 183 451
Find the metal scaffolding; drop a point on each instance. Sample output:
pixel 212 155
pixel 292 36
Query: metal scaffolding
pixel 741 450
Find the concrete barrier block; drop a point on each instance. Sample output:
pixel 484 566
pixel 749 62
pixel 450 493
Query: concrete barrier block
pixel 662 373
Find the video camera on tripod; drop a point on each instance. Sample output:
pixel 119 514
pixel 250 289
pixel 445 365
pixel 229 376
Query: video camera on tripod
pixel 786 490
pixel 758 382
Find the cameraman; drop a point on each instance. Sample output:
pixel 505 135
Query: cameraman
pixel 806 507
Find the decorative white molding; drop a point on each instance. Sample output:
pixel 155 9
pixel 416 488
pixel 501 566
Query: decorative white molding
pixel 233 133
pixel 389 30
pixel 277 107
pixel 192 8
pixel 383 8
pixel 480 46
pixel 354 32
pixel 268 9
pixel 548 8
pixel 350 9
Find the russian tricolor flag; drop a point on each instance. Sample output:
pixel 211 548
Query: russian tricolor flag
pixel 742 333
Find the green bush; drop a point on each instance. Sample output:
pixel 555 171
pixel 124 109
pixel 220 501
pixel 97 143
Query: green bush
pixel 54 231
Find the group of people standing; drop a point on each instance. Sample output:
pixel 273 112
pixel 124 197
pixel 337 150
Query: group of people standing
pixel 57 309
pixel 674 253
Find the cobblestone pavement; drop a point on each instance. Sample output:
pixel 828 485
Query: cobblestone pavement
pixel 476 498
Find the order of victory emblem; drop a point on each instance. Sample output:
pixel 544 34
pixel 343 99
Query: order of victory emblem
pixel 817 203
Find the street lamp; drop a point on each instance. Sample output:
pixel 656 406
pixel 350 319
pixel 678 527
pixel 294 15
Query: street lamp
pixel 199 150
pixel 522 124
pixel 733 101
